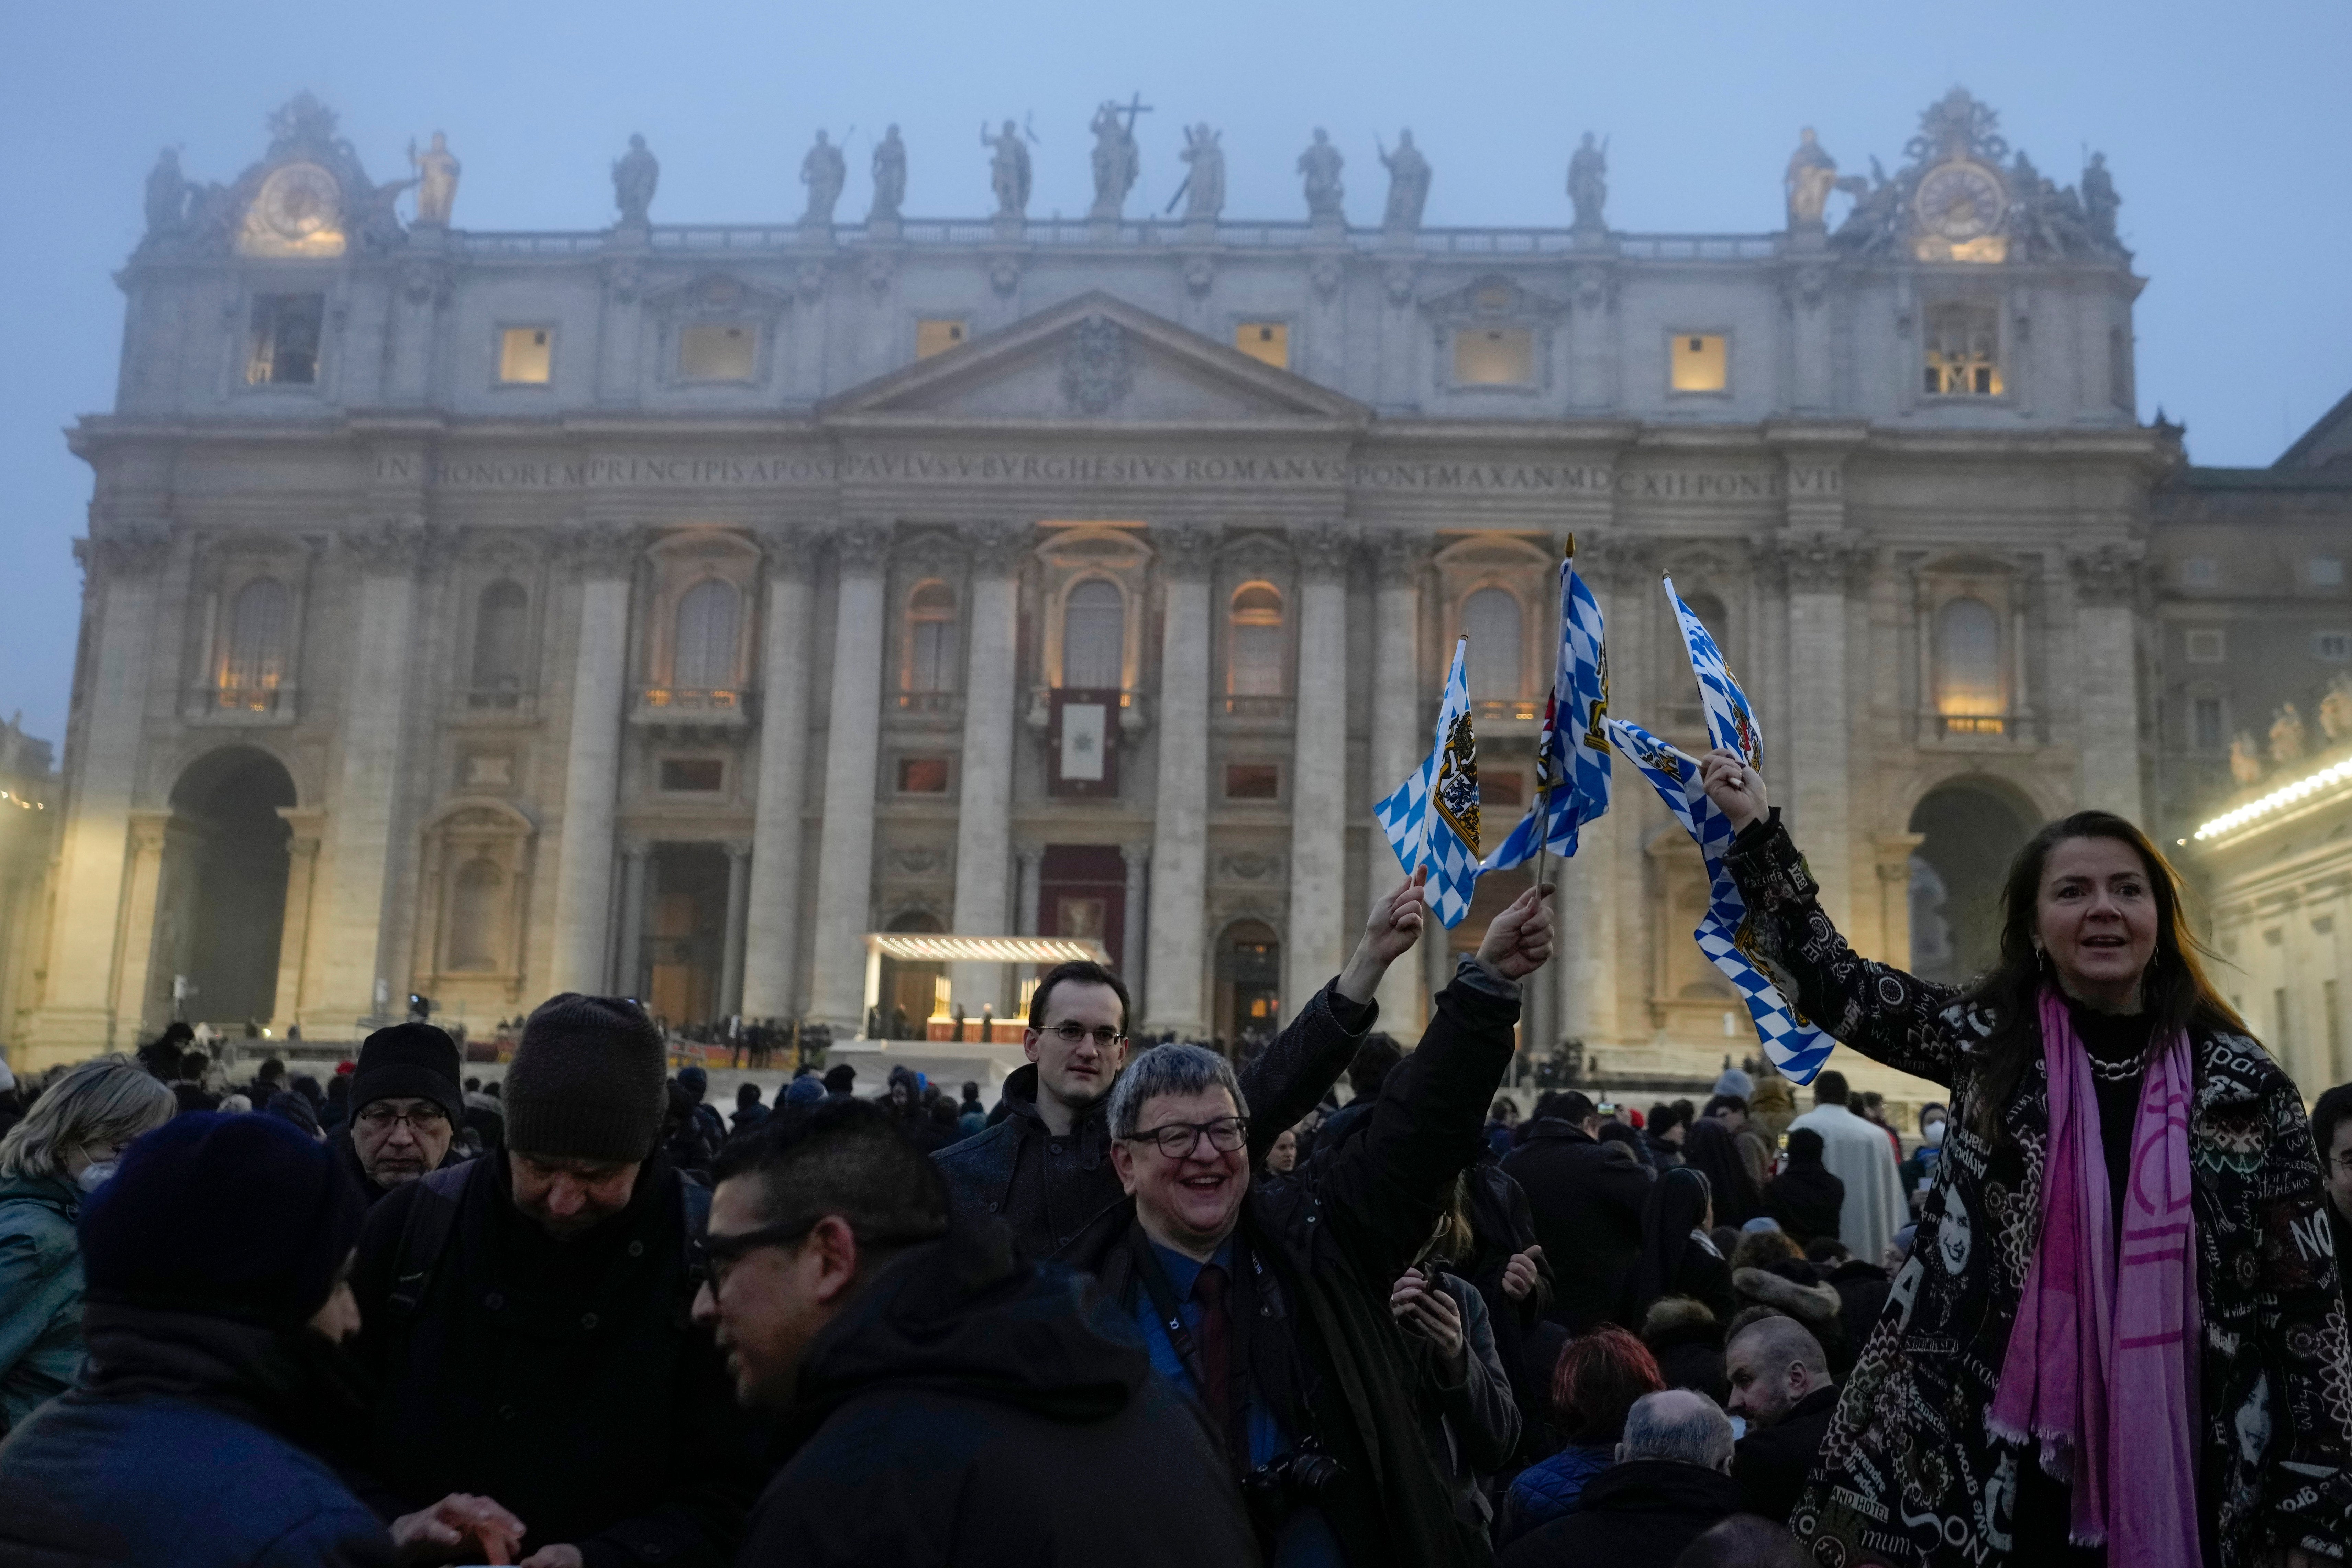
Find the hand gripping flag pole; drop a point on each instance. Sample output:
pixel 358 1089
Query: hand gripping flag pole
pixel 1572 754
pixel 1796 1047
pixel 1433 818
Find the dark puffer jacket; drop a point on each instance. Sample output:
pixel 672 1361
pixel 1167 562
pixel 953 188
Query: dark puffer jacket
pixel 969 1409
pixel 1587 1199
pixel 1640 1513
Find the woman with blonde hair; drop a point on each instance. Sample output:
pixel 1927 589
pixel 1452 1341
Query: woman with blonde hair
pixel 67 1144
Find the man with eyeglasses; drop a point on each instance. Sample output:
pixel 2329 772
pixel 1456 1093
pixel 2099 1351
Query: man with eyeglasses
pixel 941 1400
pixel 1274 1305
pixel 405 1108
pixel 1045 1168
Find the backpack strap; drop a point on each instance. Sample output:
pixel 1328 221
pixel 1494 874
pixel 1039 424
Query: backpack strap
pixel 425 1236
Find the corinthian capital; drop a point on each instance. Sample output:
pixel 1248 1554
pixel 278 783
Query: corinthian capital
pixel 126 551
pixel 388 544
pixel 996 548
pixel 1184 549
pixel 1322 551
pixel 604 549
pixel 862 548
pixel 2110 574
pixel 1819 563
pixel 1400 558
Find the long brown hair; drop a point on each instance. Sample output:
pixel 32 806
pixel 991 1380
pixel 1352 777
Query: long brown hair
pixel 2173 988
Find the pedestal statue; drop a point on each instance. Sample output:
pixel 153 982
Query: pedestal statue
pixel 635 175
pixel 1116 162
pixel 823 172
pixel 437 181
pixel 1321 163
pixel 1008 170
pixel 1204 190
pixel 1408 184
pixel 1587 183
pixel 889 177
pixel 1812 176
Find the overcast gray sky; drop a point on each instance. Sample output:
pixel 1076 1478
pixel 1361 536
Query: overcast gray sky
pixel 2224 126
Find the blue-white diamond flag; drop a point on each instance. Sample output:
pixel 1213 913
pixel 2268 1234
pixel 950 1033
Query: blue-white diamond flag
pixel 1433 818
pixel 1797 1049
pixel 1571 754
pixel 1730 721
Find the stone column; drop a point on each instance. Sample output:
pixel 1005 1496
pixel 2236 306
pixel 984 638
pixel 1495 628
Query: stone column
pixel 1589 922
pixel 629 962
pixel 739 898
pixel 1131 944
pixel 1316 944
pixel 1180 838
pixel 150 835
pixel 1892 853
pixel 1400 734
pixel 2107 595
pixel 772 932
pixel 984 813
pixel 1033 864
pixel 373 743
pixel 844 872
pixel 294 932
pixel 77 1016
pixel 592 773
pixel 1815 756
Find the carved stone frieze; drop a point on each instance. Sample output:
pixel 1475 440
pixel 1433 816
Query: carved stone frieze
pixel 1097 366
pixel 1199 277
pixel 389 544
pixel 1323 549
pixel 917 860
pixel 1004 274
pixel 997 547
pixel 1819 563
pixel 127 551
pixel 426 281
pixel 862 547
pixel 1248 866
pixel 1400 277
pixel 1594 287
pixel 1398 559
pixel 1184 549
pixel 604 550
pixel 2109 575
pixel 881 272
pixel 1615 560
pixel 1325 273
pixel 790 552
pixel 626 276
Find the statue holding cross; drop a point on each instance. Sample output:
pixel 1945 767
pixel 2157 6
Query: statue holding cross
pixel 1116 162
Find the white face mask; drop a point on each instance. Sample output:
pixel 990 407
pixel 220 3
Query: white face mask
pixel 95 1176
pixel 1932 1135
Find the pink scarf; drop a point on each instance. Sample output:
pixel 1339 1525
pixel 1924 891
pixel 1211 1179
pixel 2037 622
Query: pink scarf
pixel 2102 1360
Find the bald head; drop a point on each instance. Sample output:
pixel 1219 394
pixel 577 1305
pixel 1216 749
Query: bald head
pixel 1772 1363
pixel 1680 1426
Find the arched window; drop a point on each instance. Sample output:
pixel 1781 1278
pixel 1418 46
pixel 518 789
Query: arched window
pixel 1498 647
pixel 930 638
pixel 502 634
pixel 1968 666
pixel 255 665
pixel 473 915
pixel 1255 668
pixel 1094 637
pixel 706 638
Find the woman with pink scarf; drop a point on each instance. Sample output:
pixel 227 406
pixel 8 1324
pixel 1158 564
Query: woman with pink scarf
pixel 2118 1338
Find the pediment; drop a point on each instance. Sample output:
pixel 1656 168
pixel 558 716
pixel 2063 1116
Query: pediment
pixel 1096 358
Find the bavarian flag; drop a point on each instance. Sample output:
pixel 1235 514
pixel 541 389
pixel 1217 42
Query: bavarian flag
pixel 1571 753
pixel 1433 818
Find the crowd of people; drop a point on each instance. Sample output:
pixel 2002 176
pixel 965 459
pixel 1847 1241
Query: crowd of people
pixel 1161 1306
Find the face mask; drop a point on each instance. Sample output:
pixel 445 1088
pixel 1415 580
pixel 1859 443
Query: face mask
pixel 1933 1135
pixel 94 1176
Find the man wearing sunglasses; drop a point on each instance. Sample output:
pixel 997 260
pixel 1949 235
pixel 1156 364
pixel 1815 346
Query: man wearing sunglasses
pixel 1045 1168
pixel 939 1399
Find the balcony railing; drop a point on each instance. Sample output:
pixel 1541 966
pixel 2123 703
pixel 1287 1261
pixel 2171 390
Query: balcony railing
pixel 929 702
pixel 679 699
pixel 1259 707
pixel 1975 726
pixel 1511 710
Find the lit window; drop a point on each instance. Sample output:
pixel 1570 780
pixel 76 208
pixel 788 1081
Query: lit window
pixel 473 915
pixel 1968 667
pixel 704 660
pixel 284 347
pixel 1094 637
pixel 922 775
pixel 2209 723
pixel 930 639
pixel 1699 361
pixel 2325 570
pixel 718 351
pixel 1491 619
pixel 1253 781
pixel 1963 352
pixel 938 335
pixel 501 644
pixel 2206 647
pixel 1494 356
pixel 2200 571
pixel 1265 340
pixel 253 664
pixel 2333 646
pixel 1256 666
pixel 694 776
pixel 524 353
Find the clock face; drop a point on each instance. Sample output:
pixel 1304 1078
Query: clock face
pixel 1960 201
pixel 299 201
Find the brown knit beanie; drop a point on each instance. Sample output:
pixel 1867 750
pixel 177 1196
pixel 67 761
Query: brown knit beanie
pixel 587 1082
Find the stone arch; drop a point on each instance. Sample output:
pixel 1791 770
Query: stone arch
pixel 1971 828
pixel 220 906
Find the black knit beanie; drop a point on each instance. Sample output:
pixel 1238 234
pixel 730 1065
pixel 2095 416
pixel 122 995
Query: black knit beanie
pixel 587 1082
pixel 239 1215
pixel 409 1061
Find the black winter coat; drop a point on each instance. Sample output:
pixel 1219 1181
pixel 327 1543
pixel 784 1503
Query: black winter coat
pixel 1586 1197
pixel 562 1378
pixel 1637 1514
pixel 1770 1462
pixel 968 1408
pixel 1334 1237
pixel 1048 1189
pixel 1805 1199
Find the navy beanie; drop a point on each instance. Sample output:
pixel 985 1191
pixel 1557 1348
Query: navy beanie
pixel 244 1215
pixel 409 1061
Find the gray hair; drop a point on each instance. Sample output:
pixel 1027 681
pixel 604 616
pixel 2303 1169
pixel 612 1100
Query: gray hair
pixel 105 1100
pixel 1676 1424
pixel 1169 1069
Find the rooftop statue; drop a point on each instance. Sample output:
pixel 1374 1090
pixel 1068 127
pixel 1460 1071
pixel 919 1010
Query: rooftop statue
pixel 1008 170
pixel 1408 184
pixel 890 176
pixel 823 172
pixel 2245 758
pixel 1204 190
pixel 1117 161
pixel 168 196
pixel 2287 738
pixel 1587 183
pixel 2335 709
pixel 1811 175
pixel 635 175
pixel 1321 163
pixel 437 181
pixel 2099 199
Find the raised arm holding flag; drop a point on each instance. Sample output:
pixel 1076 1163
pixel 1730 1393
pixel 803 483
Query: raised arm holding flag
pixel 1432 820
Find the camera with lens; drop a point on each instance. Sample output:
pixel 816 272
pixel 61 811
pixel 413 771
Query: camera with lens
pixel 1305 1477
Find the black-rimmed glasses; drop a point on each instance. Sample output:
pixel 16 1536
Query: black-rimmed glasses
pixel 1225 1135
pixel 711 1256
pixel 1070 1035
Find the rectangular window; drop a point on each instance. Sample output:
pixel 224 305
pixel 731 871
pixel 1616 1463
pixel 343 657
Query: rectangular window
pixel 2206 647
pixel 694 776
pixel 2333 646
pixel 2325 571
pixel 2208 724
pixel 1265 340
pixel 2200 571
pixel 524 353
pixel 1699 362
pixel 937 335
pixel 1494 356
pixel 922 775
pixel 284 347
pixel 1963 344
pixel 1253 781
pixel 717 350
